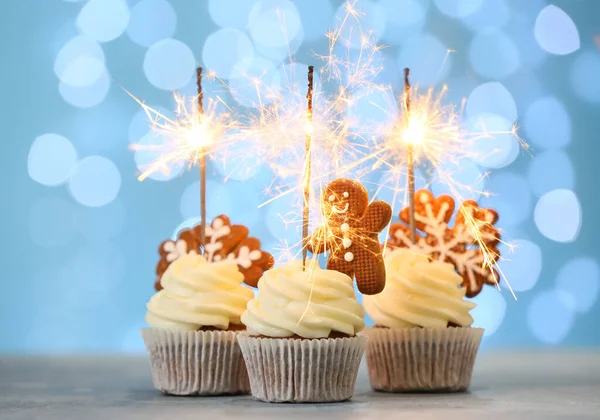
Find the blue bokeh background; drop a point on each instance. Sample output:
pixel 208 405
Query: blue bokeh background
pixel 81 233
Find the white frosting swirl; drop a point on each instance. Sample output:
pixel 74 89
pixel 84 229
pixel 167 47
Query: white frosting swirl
pixel 419 293
pixel 310 304
pixel 196 294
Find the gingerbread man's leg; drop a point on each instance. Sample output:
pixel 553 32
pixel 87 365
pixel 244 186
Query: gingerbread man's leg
pixel 369 268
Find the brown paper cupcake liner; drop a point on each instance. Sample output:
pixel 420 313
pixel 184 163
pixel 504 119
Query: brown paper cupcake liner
pixel 302 370
pixel 196 362
pixel 421 359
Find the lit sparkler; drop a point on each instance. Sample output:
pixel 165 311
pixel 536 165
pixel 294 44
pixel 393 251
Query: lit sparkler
pixel 188 137
pixel 339 146
pixel 429 132
pixel 307 152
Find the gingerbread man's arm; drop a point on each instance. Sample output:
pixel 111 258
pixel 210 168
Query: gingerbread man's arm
pixel 376 218
pixel 318 242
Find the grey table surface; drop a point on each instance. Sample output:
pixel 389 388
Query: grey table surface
pixel 525 385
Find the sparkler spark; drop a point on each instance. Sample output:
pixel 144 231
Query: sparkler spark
pixel 439 143
pixel 189 136
pixel 275 126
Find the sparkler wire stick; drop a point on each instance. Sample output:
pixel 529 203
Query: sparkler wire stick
pixel 410 161
pixel 307 153
pixel 202 162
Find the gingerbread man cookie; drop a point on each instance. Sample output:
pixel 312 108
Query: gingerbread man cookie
pixel 224 241
pixel 350 234
pixel 471 244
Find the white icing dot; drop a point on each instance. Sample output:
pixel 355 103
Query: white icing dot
pixel 345 227
pixel 349 256
pixel 346 194
pixel 331 197
pixel 347 242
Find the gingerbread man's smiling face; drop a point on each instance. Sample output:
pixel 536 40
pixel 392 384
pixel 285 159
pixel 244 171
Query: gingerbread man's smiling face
pixel 344 199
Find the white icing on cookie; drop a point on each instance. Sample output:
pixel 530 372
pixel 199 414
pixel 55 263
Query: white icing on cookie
pixel 176 249
pixel 349 256
pixel 337 210
pixel 245 257
pixel 345 227
pixel 347 242
pixel 216 232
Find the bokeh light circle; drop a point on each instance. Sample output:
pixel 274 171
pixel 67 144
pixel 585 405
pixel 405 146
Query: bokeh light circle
pixel 103 20
pixel 491 98
pixel 275 28
pixel 372 109
pixel 186 224
pixel 230 13
pixel 315 24
pixel 169 64
pixel 371 21
pixel 558 215
pixel 493 144
pixel 278 215
pixel 241 164
pixel 556 32
pixel 238 46
pixel 428 59
pixel 51 222
pixel 549 317
pixel 458 8
pixel 494 55
pixel 86 96
pixel 248 72
pixel 520 28
pixel 221 200
pixel 511 197
pixel 551 170
pixel 490 310
pixel 145 155
pixel 151 21
pixel 404 18
pixel 522 266
pixel 392 182
pixel 547 123
pixel 580 279
pixel 95 182
pixel 80 62
pixel 141 125
pixel 466 176
pixel 584 76
pixel 492 14
pixel 51 159
pixel 251 199
pixel 293 80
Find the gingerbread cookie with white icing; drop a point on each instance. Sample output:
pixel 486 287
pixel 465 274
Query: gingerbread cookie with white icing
pixel 350 234
pixel 471 245
pixel 224 241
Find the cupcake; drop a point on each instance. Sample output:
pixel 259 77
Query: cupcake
pixel 195 320
pixel 301 343
pixel 422 339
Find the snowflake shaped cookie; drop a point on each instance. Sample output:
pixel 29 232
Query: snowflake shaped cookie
pixel 460 245
pixel 224 241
